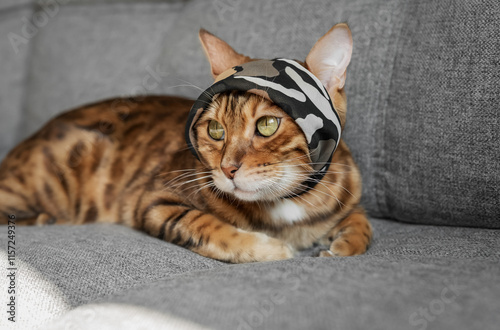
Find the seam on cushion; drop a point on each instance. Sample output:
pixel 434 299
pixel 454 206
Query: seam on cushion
pixel 381 175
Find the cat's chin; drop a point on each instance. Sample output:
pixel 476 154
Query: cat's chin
pixel 245 195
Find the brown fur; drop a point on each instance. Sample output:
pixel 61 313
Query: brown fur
pixel 126 161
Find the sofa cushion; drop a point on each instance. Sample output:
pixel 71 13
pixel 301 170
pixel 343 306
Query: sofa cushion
pixel 61 267
pixel 90 271
pixel 312 293
pixel 95 50
pixel 438 157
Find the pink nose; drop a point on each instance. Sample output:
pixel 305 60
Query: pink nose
pixel 230 171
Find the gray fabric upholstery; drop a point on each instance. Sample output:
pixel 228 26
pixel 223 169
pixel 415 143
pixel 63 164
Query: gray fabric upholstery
pixel 406 268
pixel 14 4
pixel 61 267
pixel 13 69
pixel 439 156
pixel 68 69
pixel 422 124
pixel 327 294
pixel 70 257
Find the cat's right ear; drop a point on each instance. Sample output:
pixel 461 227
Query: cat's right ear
pixel 328 60
pixel 220 55
pixel 330 56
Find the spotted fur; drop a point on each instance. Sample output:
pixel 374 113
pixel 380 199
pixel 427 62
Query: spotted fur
pixel 126 161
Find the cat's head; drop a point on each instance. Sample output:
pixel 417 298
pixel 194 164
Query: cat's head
pixel 252 149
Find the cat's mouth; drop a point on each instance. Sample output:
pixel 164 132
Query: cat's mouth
pixel 252 188
pixel 249 189
pixel 243 192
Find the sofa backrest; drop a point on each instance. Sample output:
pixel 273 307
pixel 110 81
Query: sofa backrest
pixel 423 95
pixel 436 153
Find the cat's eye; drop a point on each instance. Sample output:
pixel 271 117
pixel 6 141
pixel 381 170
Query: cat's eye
pixel 215 130
pixel 267 125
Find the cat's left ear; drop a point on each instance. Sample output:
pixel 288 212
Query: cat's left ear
pixel 220 55
pixel 330 56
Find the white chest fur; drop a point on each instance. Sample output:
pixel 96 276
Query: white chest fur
pixel 287 211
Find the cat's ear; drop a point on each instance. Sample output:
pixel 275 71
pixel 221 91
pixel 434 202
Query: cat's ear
pixel 330 56
pixel 220 55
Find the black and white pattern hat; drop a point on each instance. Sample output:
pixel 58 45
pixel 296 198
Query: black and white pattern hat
pixel 295 90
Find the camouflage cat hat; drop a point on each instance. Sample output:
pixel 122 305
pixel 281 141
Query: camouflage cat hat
pixel 295 90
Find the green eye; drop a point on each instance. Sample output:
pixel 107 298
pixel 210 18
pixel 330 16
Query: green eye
pixel 215 130
pixel 267 125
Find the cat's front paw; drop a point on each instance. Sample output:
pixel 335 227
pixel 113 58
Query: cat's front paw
pixel 326 253
pixel 350 237
pixel 347 245
pixel 241 246
pixel 267 248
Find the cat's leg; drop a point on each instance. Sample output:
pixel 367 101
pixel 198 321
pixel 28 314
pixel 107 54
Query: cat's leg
pixel 349 237
pixel 19 195
pixel 15 205
pixel 205 234
pixel 33 185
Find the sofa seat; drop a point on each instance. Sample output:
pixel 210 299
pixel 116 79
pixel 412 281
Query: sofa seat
pixel 412 277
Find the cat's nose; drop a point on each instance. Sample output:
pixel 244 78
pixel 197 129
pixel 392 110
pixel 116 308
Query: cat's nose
pixel 230 171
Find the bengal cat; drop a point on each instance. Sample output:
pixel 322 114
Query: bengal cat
pixel 239 198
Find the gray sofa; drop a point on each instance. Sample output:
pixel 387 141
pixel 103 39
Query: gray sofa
pixel 423 124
